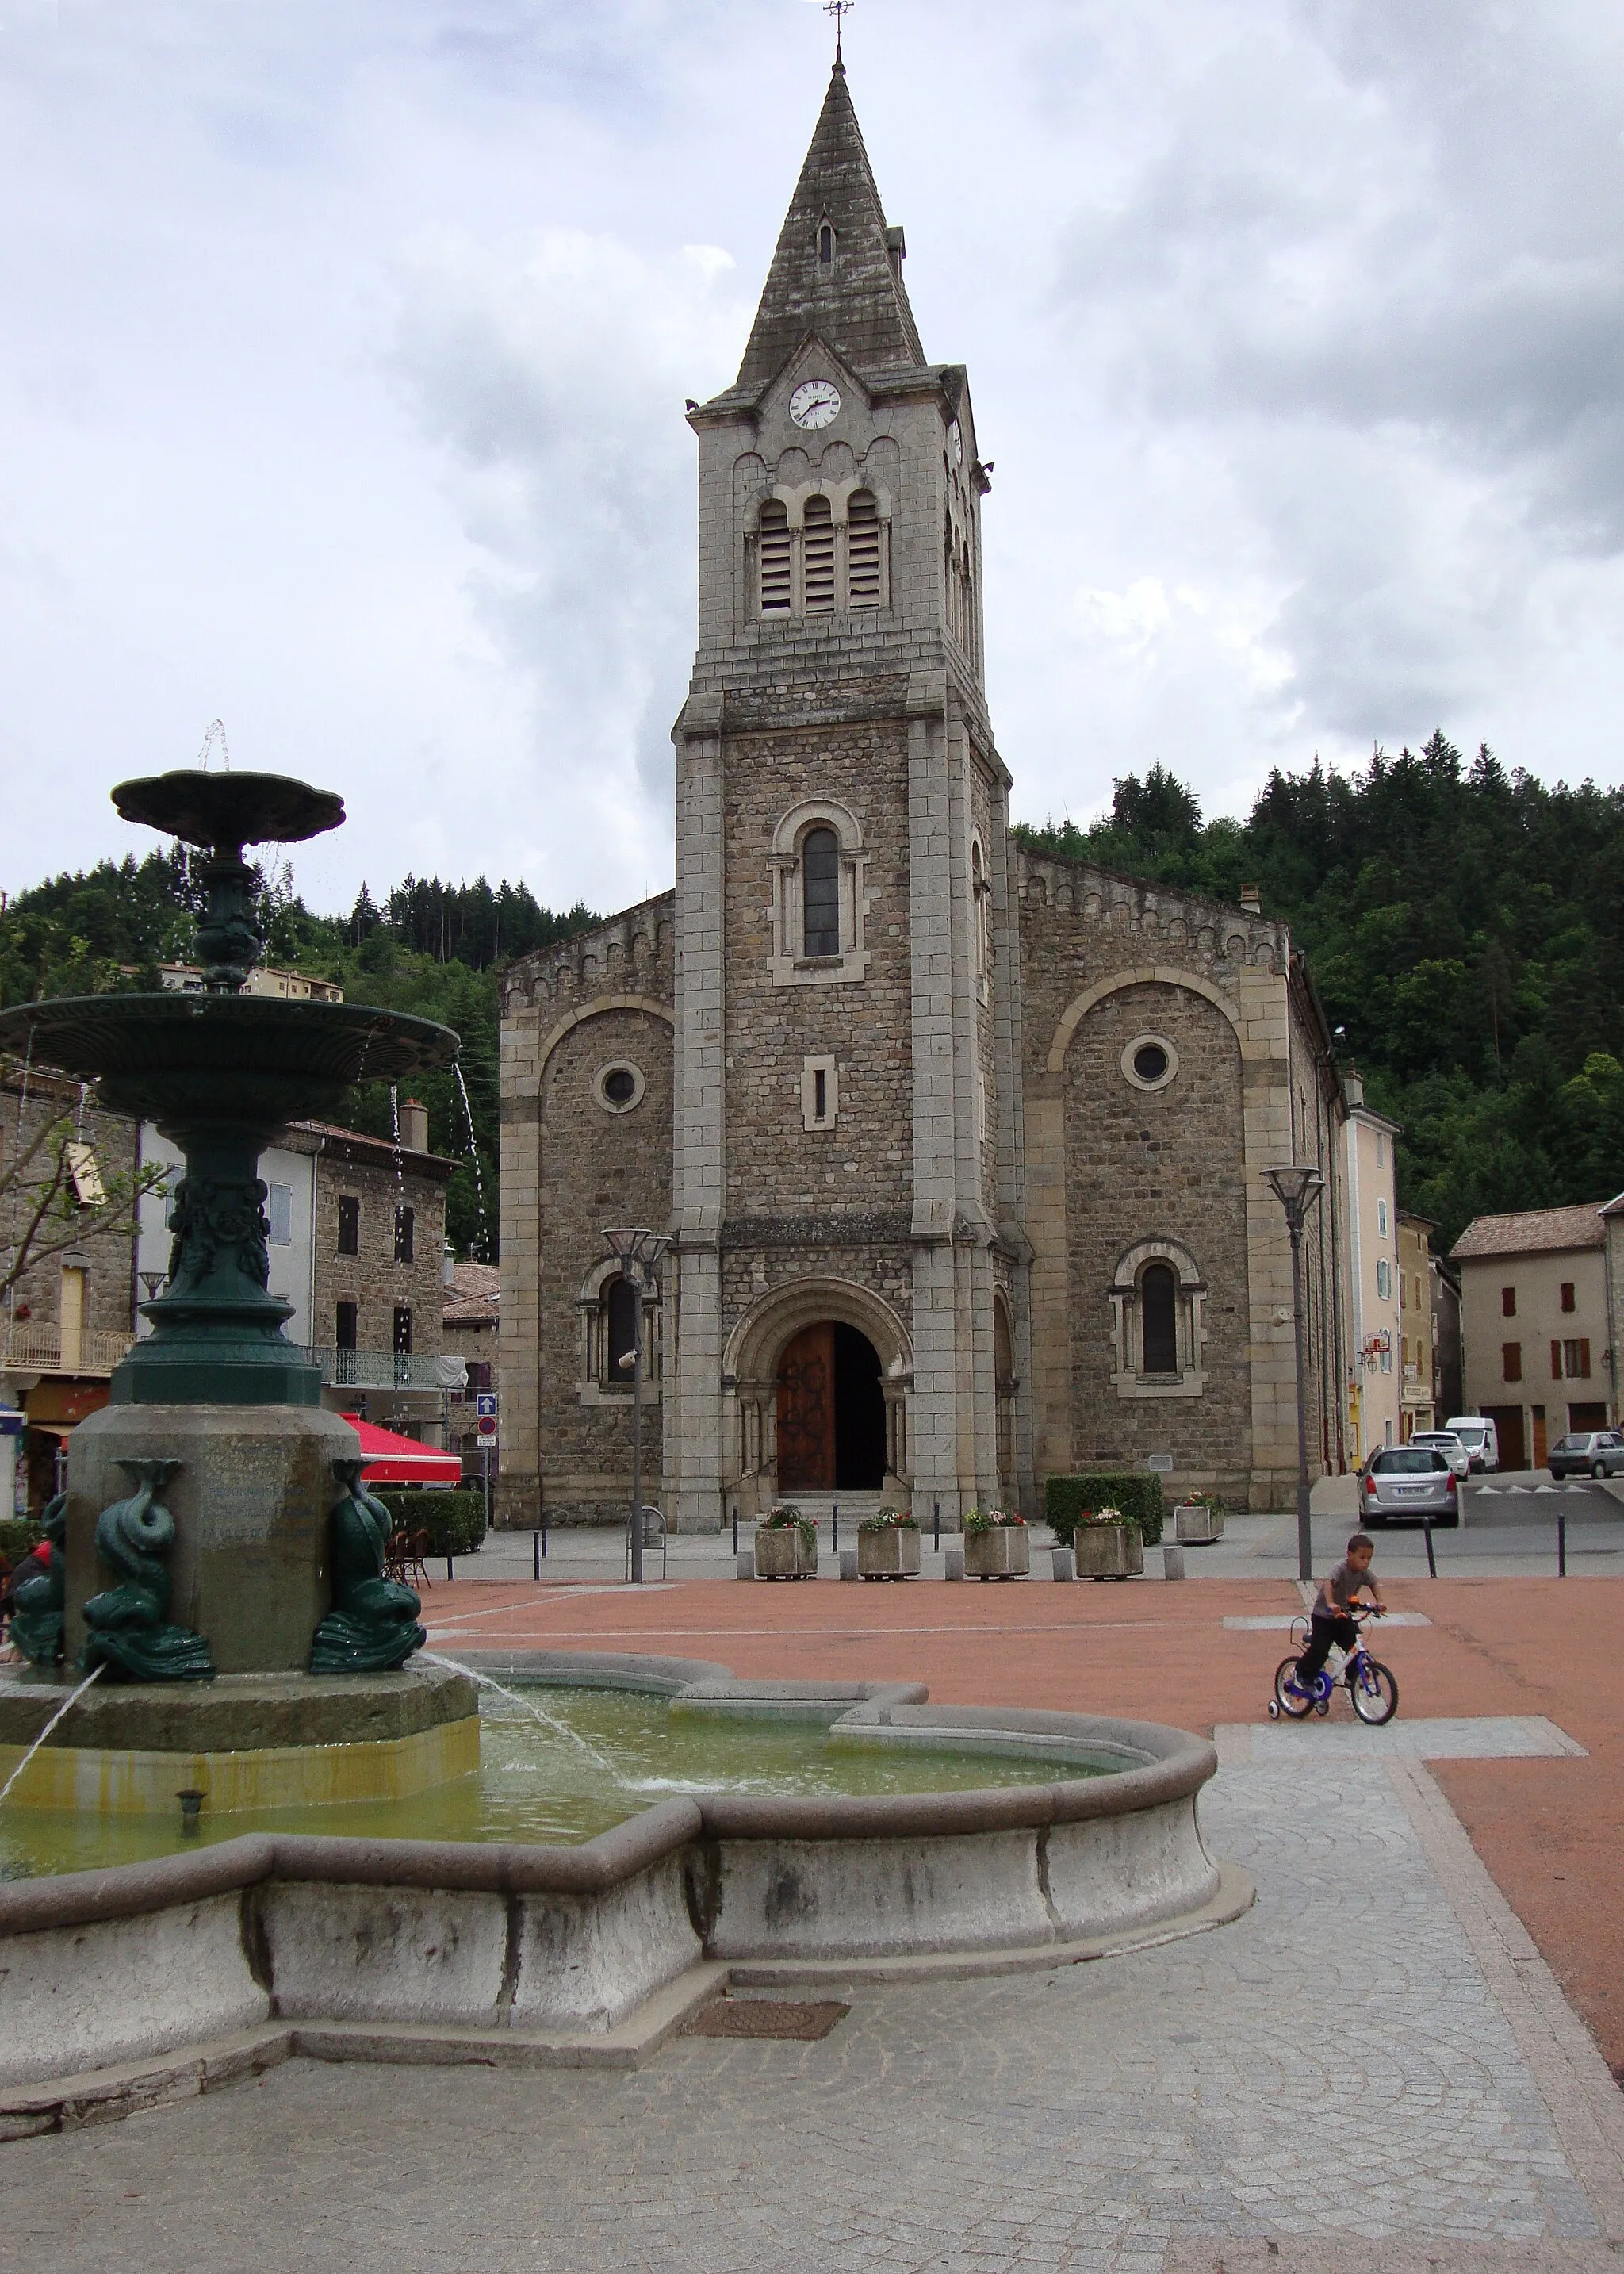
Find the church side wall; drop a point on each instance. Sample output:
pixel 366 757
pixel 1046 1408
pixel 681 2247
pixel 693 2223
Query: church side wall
pixel 569 1166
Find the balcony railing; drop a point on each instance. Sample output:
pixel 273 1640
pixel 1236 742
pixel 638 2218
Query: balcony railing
pixel 31 1349
pixel 382 1369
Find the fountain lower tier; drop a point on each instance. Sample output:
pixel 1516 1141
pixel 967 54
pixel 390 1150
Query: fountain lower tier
pixel 247 1742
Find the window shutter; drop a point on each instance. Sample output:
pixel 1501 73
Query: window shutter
pixel 281 1214
pixel 818 556
pixel 774 543
pixel 862 553
pixel 1556 1361
pixel 1511 1362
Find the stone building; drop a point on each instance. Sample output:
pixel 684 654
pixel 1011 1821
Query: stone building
pixel 960 1150
pixel 1537 1326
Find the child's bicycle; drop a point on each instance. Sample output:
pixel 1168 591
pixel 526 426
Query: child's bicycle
pixel 1372 1688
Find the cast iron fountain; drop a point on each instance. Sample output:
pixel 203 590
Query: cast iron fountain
pixel 223 1503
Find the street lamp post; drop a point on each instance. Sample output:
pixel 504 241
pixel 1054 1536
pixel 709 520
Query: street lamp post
pixel 638 1251
pixel 1296 1188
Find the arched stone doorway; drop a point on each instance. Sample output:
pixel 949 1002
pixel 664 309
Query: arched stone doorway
pixel 830 1411
pixel 850 1334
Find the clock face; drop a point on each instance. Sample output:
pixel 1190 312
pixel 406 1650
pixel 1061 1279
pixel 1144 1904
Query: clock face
pixel 955 443
pixel 815 403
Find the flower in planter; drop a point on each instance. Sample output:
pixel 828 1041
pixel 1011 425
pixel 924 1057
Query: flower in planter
pixel 1102 1516
pixel 890 1519
pixel 992 1519
pixel 783 1515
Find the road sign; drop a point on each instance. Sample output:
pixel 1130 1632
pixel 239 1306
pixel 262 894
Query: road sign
pixel 484 1405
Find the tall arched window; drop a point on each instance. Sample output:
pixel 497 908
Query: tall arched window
pixel 820 873
pixel 862 553
pixel 817 557
pixel 775 558
pixel 620 1331
pixel 1159 1318
pixel 981 930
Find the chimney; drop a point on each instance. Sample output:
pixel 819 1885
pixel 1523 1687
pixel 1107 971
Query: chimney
pixel 414 1125
pixel 1353 1088
pixel 1251 899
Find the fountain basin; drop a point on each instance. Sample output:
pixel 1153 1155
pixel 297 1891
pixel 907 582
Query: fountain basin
pixel 451 1950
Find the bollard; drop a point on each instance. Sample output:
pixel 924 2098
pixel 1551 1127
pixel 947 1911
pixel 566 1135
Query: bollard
pixel 937 1524
pixel 848 1565
pixel 1561 1544
pixel 952 1563
pixel 735 1527
pixel 834 1516
pixel 535 1550
pixel 1431 1560
pixel 1066 1565
pixel 1172 1562
pixel 744 1564
pixel 450 1572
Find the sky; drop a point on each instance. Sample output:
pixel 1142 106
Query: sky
pixel 345 344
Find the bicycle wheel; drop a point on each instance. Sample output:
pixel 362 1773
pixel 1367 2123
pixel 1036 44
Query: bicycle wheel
pixel 1374 1692
pixel 1290 1704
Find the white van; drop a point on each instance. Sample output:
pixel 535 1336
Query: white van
pixel 1480 1438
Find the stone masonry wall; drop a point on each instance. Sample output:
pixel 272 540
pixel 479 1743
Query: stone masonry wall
pixel 372 1280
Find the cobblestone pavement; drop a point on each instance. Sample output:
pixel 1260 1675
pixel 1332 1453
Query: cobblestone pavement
pixel 1334 2066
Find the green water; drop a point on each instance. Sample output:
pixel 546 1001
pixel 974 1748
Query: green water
pixel 534 1785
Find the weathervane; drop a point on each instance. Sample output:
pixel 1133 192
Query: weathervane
pixel 840 9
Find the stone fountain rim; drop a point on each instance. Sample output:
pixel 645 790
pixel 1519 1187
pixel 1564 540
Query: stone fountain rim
pixel 1173 1766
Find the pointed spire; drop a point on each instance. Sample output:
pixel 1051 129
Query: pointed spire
pixel 847 288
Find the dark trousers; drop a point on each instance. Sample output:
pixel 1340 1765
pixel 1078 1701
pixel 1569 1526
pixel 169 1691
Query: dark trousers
pixel 1324 1628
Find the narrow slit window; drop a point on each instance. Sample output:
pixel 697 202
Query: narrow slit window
pixel 818 556
pixel 863 557
pixel 774 556
pixel 820 884
pixel 820 1095
pixel 826 245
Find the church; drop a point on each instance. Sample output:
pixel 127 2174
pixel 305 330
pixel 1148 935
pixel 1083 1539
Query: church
pixel 959 1150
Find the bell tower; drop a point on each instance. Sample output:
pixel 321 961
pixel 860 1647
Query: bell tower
pixel 847 1116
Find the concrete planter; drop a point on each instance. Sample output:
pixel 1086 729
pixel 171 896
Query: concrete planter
pixel 1109 1551
pixel 1197 1525
pixel 1003 1553
pixel 889 1553
pixel 786 1554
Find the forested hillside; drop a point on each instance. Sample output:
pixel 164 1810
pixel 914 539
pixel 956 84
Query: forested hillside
pixel 1464 927
pixel 431 949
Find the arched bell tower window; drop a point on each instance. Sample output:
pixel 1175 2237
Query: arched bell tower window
pixel 775 557
pixel 820 892
pixel 863 565
pixel 817 555
pixel 819 903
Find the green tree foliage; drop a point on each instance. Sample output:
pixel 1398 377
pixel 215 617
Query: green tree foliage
pixel 1465 928
pixel 431 949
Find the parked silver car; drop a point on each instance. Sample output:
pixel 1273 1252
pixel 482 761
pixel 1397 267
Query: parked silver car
pixel 1588 1453
pixel 1446 1442
pixel 1409 1481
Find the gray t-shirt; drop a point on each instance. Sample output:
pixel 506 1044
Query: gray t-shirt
pixel 1338 1587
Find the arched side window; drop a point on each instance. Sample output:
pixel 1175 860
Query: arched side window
pixel 1158 1299
pixel 607 1309
pixel 981 918
pixel 817 554
pixel 819 905
pixel 863 579
pixel 820 892
pixel 774 556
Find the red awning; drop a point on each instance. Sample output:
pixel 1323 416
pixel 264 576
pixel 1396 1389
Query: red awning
pixel 392 1460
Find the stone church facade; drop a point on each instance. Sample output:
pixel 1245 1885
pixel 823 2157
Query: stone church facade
pixel 959 1150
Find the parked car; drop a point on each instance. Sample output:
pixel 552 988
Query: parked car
pixel 1409 1481
pixel 1446 1442
pixel 1588 1453
pixel 1480 1438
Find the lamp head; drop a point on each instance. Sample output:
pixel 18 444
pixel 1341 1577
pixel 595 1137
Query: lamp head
pixel 1296 1186
pixel 637 1249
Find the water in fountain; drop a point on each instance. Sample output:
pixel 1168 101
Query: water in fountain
pixel 473 1154
pixel 527 1705
pixel 65 1707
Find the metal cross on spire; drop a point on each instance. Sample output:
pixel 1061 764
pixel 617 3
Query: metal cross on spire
pixel 840 9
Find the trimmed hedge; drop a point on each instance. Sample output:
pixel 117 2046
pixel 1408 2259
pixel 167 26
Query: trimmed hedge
pixel 454 1521
pixel 1066 1500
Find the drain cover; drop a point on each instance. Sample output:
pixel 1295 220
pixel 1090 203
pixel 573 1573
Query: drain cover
pixel 805 2018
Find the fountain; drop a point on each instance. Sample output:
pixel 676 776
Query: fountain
pixel 248 1638
pixel 275 1839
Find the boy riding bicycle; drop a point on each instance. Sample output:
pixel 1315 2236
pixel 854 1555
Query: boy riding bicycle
pixel 1331 1622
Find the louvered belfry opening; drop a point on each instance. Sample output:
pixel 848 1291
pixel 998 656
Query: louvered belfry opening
pixel 818 556
pixel 862 555
pixel 775 558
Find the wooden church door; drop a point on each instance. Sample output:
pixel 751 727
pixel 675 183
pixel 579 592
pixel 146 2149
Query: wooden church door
pixel 807 1410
